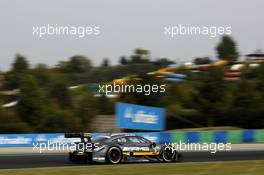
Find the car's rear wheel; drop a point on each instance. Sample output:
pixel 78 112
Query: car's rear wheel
pixel 114 155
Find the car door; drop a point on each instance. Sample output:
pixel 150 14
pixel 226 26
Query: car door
pixel 126 144
pixel 138 146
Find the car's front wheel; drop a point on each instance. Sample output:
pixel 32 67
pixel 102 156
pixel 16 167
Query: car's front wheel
pixel 168 155
pixel 114 155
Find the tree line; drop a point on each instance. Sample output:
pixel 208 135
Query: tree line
pixel 46 103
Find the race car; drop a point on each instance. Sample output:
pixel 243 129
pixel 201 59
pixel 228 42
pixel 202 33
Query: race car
pixel 117 148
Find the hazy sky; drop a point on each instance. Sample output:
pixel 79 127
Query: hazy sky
pixel 125 25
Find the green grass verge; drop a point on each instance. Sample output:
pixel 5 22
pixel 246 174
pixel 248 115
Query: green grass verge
pixel 210 168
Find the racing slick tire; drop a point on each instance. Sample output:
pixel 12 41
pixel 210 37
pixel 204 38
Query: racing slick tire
pixel 168 155
pixel 114 155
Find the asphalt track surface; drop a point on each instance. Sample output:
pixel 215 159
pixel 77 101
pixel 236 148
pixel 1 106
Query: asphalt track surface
pixel 56 160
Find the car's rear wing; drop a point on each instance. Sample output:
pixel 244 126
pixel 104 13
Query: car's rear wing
pixel 82 136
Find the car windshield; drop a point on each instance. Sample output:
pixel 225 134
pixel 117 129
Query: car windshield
pixel 121 140
pixel 143 140
pixel 134 139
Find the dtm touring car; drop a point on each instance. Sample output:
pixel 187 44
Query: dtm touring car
pixel 119 148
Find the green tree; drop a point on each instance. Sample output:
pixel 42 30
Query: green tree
pixel 20 64
pixel 202 60
pixel 59 91
pixel 87 108
pixel 145 96
pixel 61 120
pixel 210 99
pixel 141 51
pixel 123 60
pixel 19 67
pixel 163 62
pixel 79 64
pixel 10 123
pixel 140 56
pixel 43 74
pixel 227 49
pixel 105 62
pixel 2 79
pixel 76 64
pixel 30 107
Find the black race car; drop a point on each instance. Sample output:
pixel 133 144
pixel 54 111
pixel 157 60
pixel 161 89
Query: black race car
pixel 119 148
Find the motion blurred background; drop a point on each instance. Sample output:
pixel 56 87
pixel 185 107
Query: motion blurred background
pixel 214 86
pixel 43 88
pixel 66 97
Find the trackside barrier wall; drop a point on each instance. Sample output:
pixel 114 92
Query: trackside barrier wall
pixel 227 136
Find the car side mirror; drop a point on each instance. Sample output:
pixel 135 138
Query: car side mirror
pixel 153 145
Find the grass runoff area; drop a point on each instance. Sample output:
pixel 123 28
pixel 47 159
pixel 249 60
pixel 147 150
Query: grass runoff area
pixel 203 168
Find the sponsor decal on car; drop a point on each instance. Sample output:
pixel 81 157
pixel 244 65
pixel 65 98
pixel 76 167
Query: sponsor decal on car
pixel 136 149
